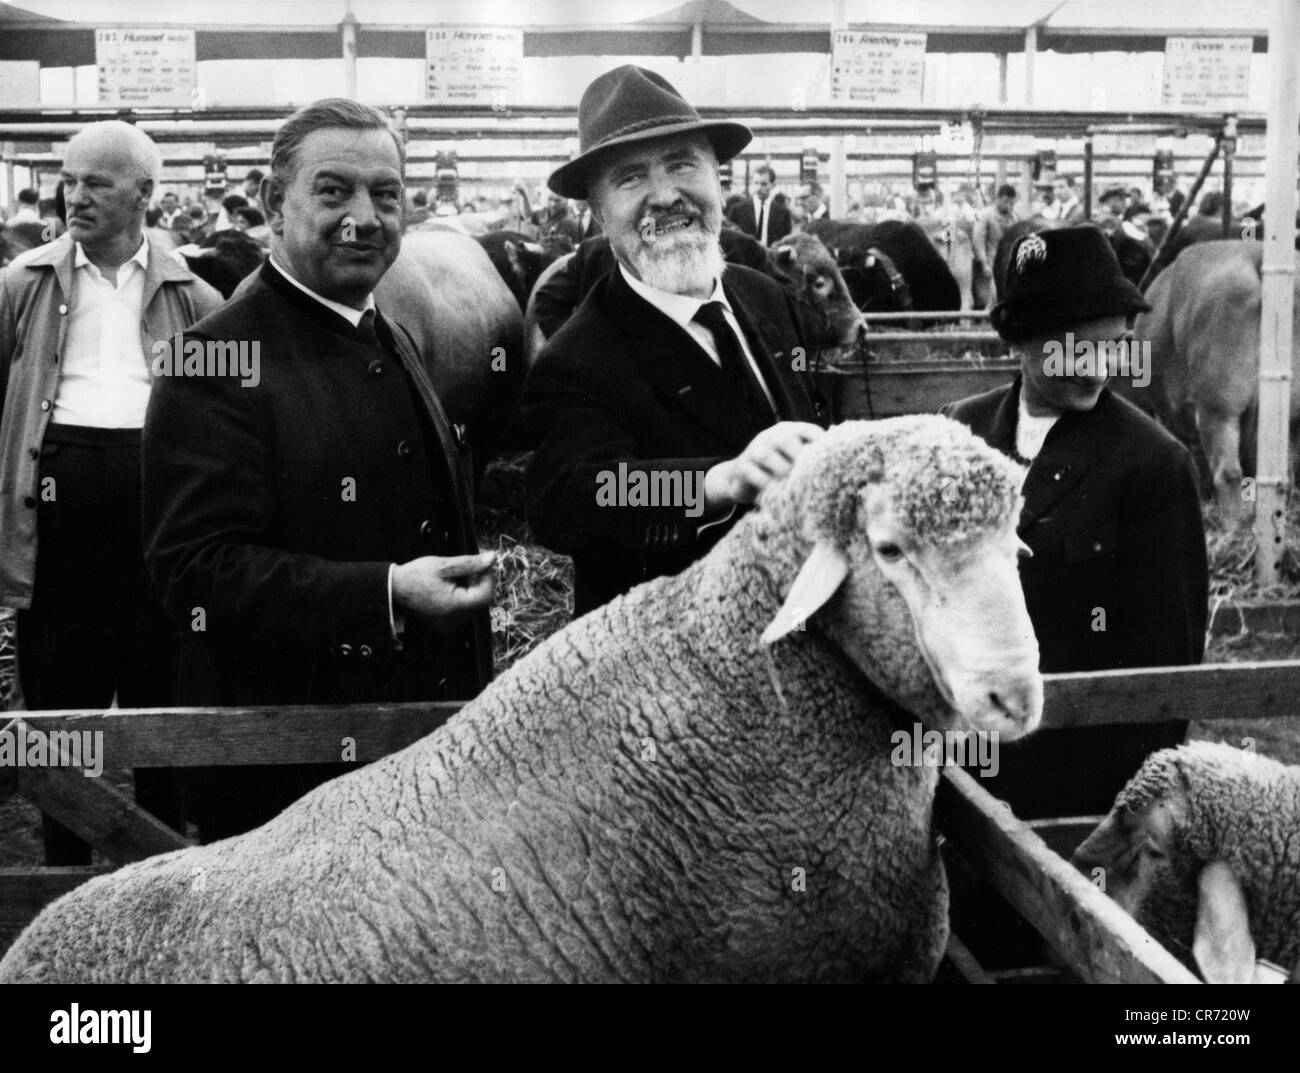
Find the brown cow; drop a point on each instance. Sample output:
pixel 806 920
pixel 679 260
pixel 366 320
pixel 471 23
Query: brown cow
pixel 1203 329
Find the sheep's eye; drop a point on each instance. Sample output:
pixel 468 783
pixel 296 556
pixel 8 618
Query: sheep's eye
pixel 889 551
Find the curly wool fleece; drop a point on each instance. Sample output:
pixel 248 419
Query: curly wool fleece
pixel 945 487
pixel 1234 806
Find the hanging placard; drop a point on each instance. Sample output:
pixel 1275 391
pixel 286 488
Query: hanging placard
pixel 146 68
pixel 474 65
pixel 877 68
pixel 1207 72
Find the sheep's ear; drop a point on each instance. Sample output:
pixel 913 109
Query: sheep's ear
pixel 823 571
pixel 1222 946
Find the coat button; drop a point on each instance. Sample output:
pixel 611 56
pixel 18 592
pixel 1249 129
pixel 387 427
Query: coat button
pixel 403 449
pixel 426 528
pixel 376 368
pixel 345 650
pixel 45 404
pixel 1096 545
pixel 365 651
pixel 63 310
pixel 33 453
pixel 29 501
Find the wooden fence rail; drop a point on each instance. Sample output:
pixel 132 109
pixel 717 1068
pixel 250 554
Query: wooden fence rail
pixel 1093 936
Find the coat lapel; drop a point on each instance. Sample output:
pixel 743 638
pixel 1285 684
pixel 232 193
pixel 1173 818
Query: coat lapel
pixel 770 353
pixel 675 366
pixel 1074 446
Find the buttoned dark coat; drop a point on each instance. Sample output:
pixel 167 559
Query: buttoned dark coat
pixel 621 382
pixel 272 512
pixel 779 221
pixel 1118 579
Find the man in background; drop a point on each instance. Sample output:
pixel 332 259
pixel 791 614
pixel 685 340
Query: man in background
pixel 763 215
pixel 85 313
pixel 990 225
pixel 27 211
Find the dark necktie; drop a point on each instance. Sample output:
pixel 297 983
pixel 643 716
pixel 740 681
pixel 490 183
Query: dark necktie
pixel 735 366
pixel 762 222
pixel 366 328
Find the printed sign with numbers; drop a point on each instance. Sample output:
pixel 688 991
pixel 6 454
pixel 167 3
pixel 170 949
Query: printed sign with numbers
pixel 474 65
pixel 1207 72
pixel 146 68
pixel 877 68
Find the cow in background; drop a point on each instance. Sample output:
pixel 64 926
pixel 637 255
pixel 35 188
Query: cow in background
pixel 468 329
pixel 520 261
pixel 892 266
pixel 1203 329
pixel 224 259
pixel 952 238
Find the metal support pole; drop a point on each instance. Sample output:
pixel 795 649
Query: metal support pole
pixel 839 179
pixel 348 28
pixel 1087 176
pixel 839 191
pixel 697 42
pixel 1273 472
pixel 1229 153
pixel 1031 48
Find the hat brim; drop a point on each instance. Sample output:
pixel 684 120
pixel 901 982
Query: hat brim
pixel 572 179
pixel 1027 319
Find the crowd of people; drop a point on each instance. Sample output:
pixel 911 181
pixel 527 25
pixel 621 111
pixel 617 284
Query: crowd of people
pixel 306 535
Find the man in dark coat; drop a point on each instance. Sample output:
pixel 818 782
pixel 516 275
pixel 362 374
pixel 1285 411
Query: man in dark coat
pixel 306 516
pixel 671 398
pixel 1112 514
pixel 764 216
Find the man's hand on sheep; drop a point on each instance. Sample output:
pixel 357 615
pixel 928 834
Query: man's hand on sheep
pixel 443 587
pixel 767 458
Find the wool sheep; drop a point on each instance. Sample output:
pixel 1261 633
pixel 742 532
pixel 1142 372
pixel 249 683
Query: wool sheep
pixel 1201 847
pixel 691 783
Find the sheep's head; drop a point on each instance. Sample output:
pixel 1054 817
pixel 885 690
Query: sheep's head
pixel 910 530
pixel 1170 851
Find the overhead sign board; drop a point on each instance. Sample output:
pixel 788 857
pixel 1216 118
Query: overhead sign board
pixel 877 68
pixel 474 65
pixel 145 68
pixel 1207 72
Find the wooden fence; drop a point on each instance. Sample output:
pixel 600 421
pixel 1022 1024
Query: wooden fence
pixel 1087 931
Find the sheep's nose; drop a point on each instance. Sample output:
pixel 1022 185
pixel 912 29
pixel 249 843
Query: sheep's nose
pixel 1020 702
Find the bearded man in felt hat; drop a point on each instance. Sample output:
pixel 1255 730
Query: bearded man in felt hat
pixel 1112 514
pixel 677 392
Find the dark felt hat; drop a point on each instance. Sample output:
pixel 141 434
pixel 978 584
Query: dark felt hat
pixel 1062 277
pixel 631 104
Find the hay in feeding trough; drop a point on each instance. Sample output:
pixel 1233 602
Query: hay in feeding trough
pixel 534 586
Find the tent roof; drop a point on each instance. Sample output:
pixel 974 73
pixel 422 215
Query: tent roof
pixel 61 32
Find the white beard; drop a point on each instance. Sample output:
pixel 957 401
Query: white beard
pixel 680 264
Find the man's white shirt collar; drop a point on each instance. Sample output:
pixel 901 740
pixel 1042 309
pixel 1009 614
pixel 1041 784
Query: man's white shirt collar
pixel 680 308
pixel 140 257
pixel 352 316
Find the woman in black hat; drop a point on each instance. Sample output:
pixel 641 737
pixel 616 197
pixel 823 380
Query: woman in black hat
pixel 1112 513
